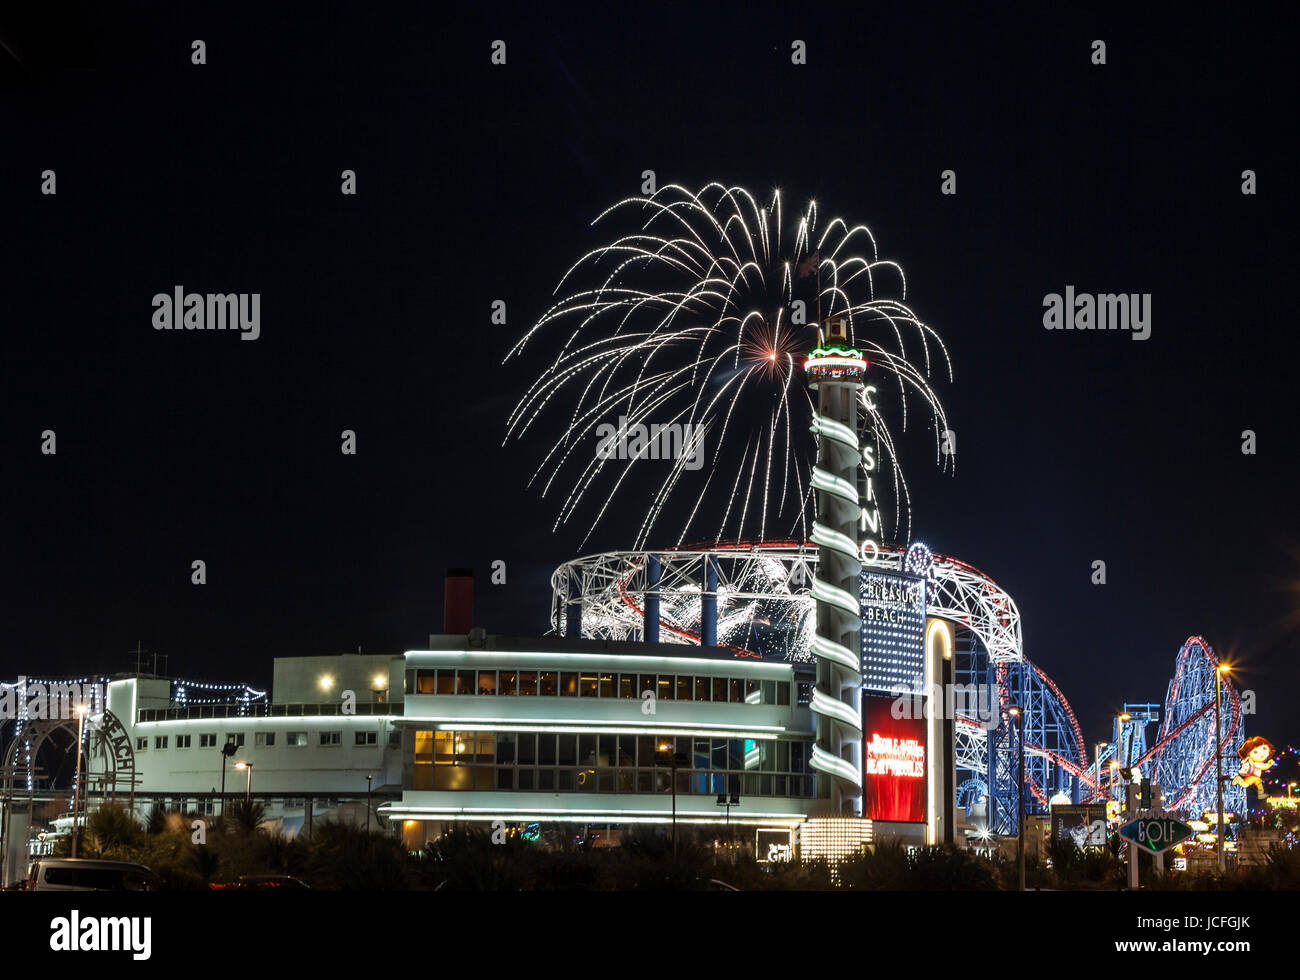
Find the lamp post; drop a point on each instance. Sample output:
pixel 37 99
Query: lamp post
pixel 1099 747
pixel 728 802
pixel 1128 755
pixel 1017 716
pixel 76 789
pixel 369 777
pixel 667 755
pixel 248 786
pixel 1219 671
pixel 227 751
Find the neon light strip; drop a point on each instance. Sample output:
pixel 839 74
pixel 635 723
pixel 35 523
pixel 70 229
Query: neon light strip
pixel 828 763
pixel 827 705
pixel 612 660
pixel 844 363
pixel 590 816
pixel 768 732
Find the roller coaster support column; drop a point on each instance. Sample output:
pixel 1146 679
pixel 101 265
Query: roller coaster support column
pixel 653 571
pixel 1218 762
pixel 1130 813
pixel 573 609
pixel 709 603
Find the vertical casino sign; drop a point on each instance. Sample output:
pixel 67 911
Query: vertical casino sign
pixel 893 672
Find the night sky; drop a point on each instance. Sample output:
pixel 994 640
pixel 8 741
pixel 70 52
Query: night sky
pixel 479 182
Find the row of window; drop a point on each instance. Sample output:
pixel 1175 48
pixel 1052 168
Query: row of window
pixel 597 684
pixel 263 740
pixel 467 760
pixel 209 806
pixel 486 778
pixel 548 749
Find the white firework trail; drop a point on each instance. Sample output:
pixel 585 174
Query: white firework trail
pixel 692 317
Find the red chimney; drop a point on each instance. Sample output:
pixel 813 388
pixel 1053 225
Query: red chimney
pixel 458 601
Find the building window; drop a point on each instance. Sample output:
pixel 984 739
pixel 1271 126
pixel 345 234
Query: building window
pixel 508 682
pixel 367 738
pixel 295 738
pixel 394 739
pixel 426 682
pixel 236 737
pixel 142 743
pixel 446 682
pixel 548 686
pixel 607 686
pixel 528 682
pixel 487 682
pixel 160 741
pixel 265 739
pixel 588 685
pixel 208 741
pixel 454 761
pixel 568 685
pixel 331 738
pixel 183 741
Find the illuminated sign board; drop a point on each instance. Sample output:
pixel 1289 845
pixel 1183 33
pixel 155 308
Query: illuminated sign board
pixel 772 844
pixel 893 772
pixel 893 632
pixel 1084 826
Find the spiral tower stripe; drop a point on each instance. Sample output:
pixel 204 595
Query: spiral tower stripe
pixel 836 699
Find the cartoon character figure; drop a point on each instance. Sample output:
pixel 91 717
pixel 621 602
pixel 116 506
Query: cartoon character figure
pixel 1079 833
pixel 1257 757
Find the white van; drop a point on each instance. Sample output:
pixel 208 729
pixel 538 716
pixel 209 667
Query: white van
pixel 88 875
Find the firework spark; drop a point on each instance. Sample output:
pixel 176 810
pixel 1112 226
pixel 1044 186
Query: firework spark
pixel 699 314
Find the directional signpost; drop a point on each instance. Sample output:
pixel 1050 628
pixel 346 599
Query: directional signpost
pixel 1156 834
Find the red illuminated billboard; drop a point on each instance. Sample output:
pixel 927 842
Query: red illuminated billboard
pixel 893 772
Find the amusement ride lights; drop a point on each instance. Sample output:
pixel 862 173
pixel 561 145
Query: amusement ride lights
pixel 835 370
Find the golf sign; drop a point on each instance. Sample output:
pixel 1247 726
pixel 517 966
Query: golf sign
pixel 1156 834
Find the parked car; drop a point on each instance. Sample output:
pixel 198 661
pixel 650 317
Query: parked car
pixel 90 875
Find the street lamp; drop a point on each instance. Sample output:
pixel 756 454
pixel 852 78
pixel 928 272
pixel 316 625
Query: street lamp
pixel 1018 717
pixel 729 802
pixel 76 788
pixel 227 750
pixel 1219 671
pixel 666 755
pixel 248 786
pixel 369 777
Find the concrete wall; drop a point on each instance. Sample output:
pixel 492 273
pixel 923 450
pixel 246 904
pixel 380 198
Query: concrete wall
pixel 296 680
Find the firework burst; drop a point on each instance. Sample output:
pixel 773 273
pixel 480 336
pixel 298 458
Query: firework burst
pixel 699 315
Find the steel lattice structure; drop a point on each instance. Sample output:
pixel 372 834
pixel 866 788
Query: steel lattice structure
pixel 764 608
pixel 1184 755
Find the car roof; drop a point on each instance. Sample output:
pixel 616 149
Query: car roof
pixel 90 862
